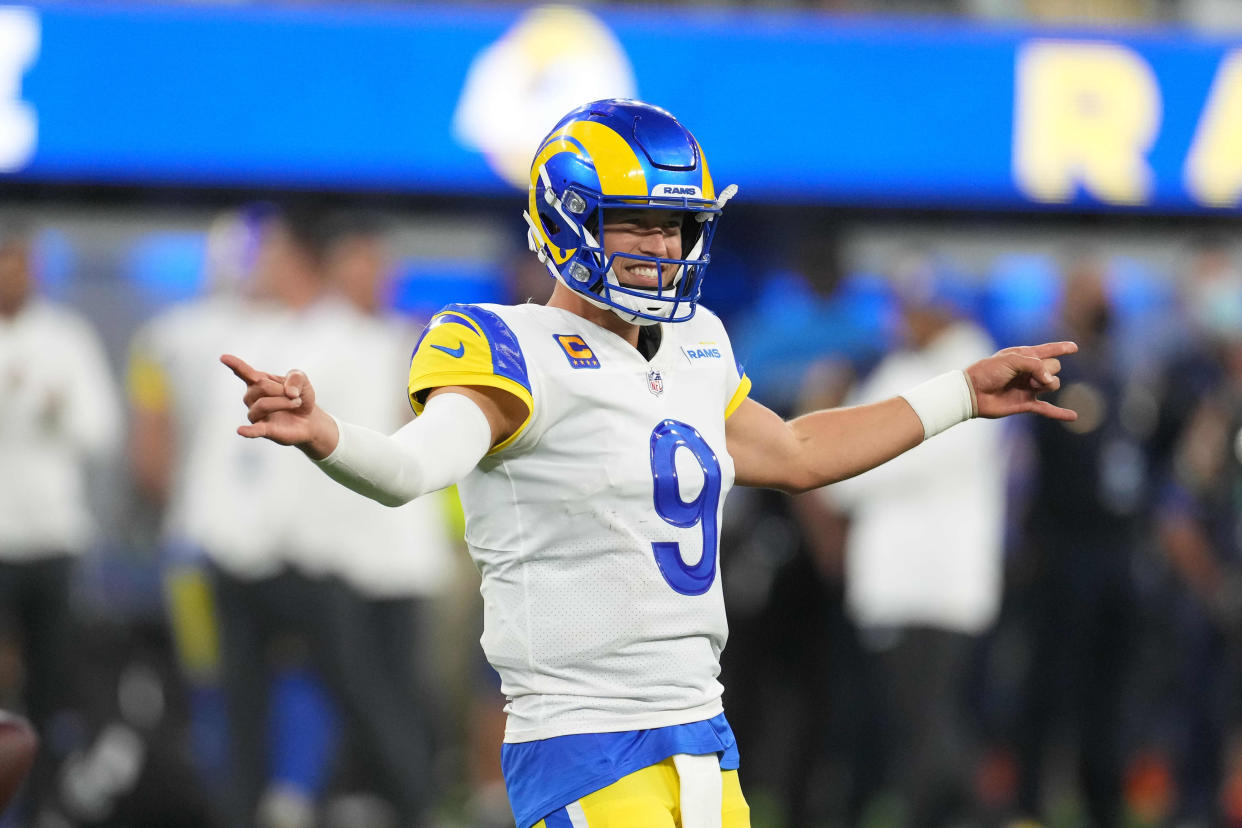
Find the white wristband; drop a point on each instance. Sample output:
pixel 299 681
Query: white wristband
pixel 942 402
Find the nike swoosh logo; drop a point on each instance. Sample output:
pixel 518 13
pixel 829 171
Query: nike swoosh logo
pixel 453 352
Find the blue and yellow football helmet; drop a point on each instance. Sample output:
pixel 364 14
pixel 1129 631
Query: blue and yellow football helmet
pixel 621 154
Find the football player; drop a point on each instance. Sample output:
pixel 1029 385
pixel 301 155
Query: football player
pixel 593 440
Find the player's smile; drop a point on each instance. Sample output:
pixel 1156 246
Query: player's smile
pixel 655 233
pixel 644 275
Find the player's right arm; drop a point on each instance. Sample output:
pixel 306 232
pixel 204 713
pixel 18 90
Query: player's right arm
pixel 283 410
pixel 457 427
pixel 468 385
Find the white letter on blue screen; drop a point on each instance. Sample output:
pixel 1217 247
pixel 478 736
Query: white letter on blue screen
pixel 19 46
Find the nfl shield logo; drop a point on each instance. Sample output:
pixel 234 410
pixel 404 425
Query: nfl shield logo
pixel 655 382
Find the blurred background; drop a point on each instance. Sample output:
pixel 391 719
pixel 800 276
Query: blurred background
pixel 1020 623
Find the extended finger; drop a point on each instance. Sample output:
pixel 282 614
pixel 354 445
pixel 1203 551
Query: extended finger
pixel 241 369
pixel 267 406
pixel 1053 349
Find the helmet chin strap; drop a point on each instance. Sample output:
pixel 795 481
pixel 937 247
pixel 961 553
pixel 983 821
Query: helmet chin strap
pixel 662 307
pixel 634 318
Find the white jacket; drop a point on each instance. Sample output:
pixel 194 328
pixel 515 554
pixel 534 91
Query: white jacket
pixel 59 409
pixel 926 538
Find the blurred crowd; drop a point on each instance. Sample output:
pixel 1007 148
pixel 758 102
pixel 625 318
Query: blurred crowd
pixel 1031 622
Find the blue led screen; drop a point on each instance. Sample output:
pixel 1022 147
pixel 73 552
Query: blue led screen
pixel 796 106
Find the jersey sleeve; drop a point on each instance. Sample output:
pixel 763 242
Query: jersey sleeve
pixel 469 345
pixel 741 387
pixel 738 387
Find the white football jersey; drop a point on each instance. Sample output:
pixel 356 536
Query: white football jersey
pixel 596 526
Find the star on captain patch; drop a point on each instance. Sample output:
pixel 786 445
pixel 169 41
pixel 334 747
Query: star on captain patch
pixel 655 382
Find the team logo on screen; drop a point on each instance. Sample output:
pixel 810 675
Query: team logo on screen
pixel 577 351
pixel 553 58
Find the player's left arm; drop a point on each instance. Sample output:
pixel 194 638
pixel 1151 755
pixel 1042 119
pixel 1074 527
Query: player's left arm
pixel 834 444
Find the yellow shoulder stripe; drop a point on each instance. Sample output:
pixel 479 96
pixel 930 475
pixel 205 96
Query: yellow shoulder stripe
pixel 456 351
pixel 743 389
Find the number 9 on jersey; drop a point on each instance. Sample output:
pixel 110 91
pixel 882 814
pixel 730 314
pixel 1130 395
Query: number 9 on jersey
pixel 666 439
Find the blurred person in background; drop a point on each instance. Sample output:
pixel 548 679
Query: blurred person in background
pixel 801 340
pixel 59 411
pixel 805 312
pixel 1075 568
pixel 357 260
pixel 280 617
pixel 791 667
pixel 358 565
pixel 809 330
pixel 1199 512
pixel 205 493
pixel 210 497
pixel 170 455
pixel 923 558
pixel 385 566
pixel 1210 286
